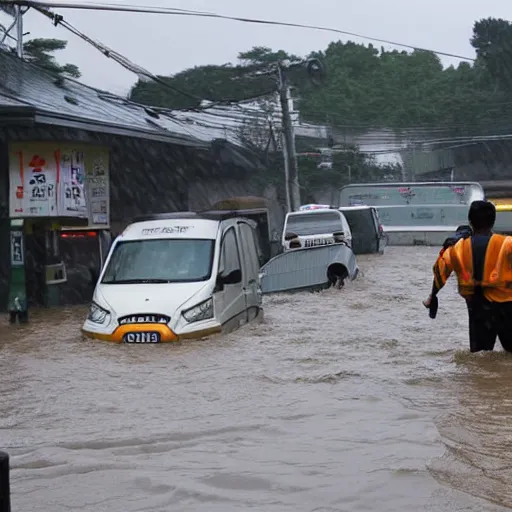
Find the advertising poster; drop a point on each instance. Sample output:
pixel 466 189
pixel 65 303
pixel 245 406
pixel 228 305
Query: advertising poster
pixel 72 182
pixel 98 192
pixel 59 180
pixel 33 183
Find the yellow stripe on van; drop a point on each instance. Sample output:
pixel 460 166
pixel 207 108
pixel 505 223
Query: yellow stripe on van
pixel 502 204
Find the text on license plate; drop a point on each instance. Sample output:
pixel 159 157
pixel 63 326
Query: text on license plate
pixel 142 337
pixel 318 241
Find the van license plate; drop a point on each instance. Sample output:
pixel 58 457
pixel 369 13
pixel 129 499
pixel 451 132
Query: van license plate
pixel 318 242
pixel 142 337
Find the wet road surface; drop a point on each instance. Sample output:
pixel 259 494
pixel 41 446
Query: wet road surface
pixel 350 400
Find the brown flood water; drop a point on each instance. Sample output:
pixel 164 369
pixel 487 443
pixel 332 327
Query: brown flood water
pixel 349 400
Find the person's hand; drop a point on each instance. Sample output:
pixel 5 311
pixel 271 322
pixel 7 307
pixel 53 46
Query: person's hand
pixel 431 304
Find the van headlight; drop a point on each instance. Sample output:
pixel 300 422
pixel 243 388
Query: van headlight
pixel 97 314
pixel 202 311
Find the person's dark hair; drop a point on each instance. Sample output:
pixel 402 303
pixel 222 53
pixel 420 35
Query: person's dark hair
pixel 482 215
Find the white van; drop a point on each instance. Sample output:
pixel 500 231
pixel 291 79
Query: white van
pixel 315 227
pixel 176 276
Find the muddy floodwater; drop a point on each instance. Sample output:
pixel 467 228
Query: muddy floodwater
pixel 351 400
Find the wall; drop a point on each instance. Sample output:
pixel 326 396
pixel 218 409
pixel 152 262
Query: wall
pixel 490 160
pixel 145 177
pixel 4 223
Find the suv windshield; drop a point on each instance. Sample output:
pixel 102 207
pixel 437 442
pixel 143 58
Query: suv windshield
pixel 314 223
pixel 160 261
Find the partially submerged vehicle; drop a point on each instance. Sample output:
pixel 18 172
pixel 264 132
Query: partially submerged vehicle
pixel 313 268
pixel 256 209
pixel 314 228
pixel 317 244
pixel 368 235
pixel 175 276
pixel 416 213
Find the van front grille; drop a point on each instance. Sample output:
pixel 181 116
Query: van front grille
pixel 144 318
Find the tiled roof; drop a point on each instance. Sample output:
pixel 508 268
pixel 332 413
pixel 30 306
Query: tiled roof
pixel 70 103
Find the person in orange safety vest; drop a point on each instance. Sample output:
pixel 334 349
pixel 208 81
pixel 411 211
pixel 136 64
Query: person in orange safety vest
pixel 483 265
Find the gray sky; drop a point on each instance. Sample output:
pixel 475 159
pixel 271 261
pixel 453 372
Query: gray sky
pixel 168 44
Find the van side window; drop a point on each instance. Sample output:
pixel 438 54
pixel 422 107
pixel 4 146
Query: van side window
pixel 229 256
pixel 250 248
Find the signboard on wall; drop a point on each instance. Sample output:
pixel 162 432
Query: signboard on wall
pixel 17 251
pixel 59 180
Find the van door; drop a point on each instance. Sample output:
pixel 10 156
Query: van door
pixel 229 299
pixel 381 236
pixel 345 227
pixel 251 267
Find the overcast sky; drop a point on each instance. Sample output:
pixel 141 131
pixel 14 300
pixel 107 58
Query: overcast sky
pixel 168 44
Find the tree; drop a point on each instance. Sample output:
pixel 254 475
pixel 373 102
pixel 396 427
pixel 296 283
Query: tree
pixel 40 52
pixel 370 88
pixel 492 40
pixel 365 87
pixel 224 83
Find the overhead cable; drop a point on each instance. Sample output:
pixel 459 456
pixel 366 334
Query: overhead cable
pixel 129 65
pixel 182 12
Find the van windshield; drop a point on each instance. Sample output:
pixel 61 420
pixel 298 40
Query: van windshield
pixel 160 261
pixel 314 223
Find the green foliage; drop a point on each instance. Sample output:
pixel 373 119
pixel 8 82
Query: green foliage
pixel 40 52
pixel 367 86
pixel 492 40
pixel 261 55
pixel 223 83
pixel 349 165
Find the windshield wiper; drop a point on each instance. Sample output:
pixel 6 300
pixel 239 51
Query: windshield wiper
pixel 137 281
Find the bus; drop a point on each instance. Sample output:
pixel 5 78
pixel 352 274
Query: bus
pixel 416 213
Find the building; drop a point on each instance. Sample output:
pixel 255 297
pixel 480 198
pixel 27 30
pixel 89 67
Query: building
pixel 76 164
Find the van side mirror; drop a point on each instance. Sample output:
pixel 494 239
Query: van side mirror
pixel 289 236
pixel 233 277
pixel 339 236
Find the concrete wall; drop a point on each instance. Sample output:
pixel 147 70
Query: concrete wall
pixel 4 223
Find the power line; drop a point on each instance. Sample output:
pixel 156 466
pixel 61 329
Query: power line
pixel 182 12
pixel 134 68
pixel 228 116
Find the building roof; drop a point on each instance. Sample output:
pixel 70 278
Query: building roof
pixel 27 90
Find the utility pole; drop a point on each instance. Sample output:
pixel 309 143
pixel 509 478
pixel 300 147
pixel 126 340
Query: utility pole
pixel 290 154
pixel 17 24
pixel 286 173
pixel 19 31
